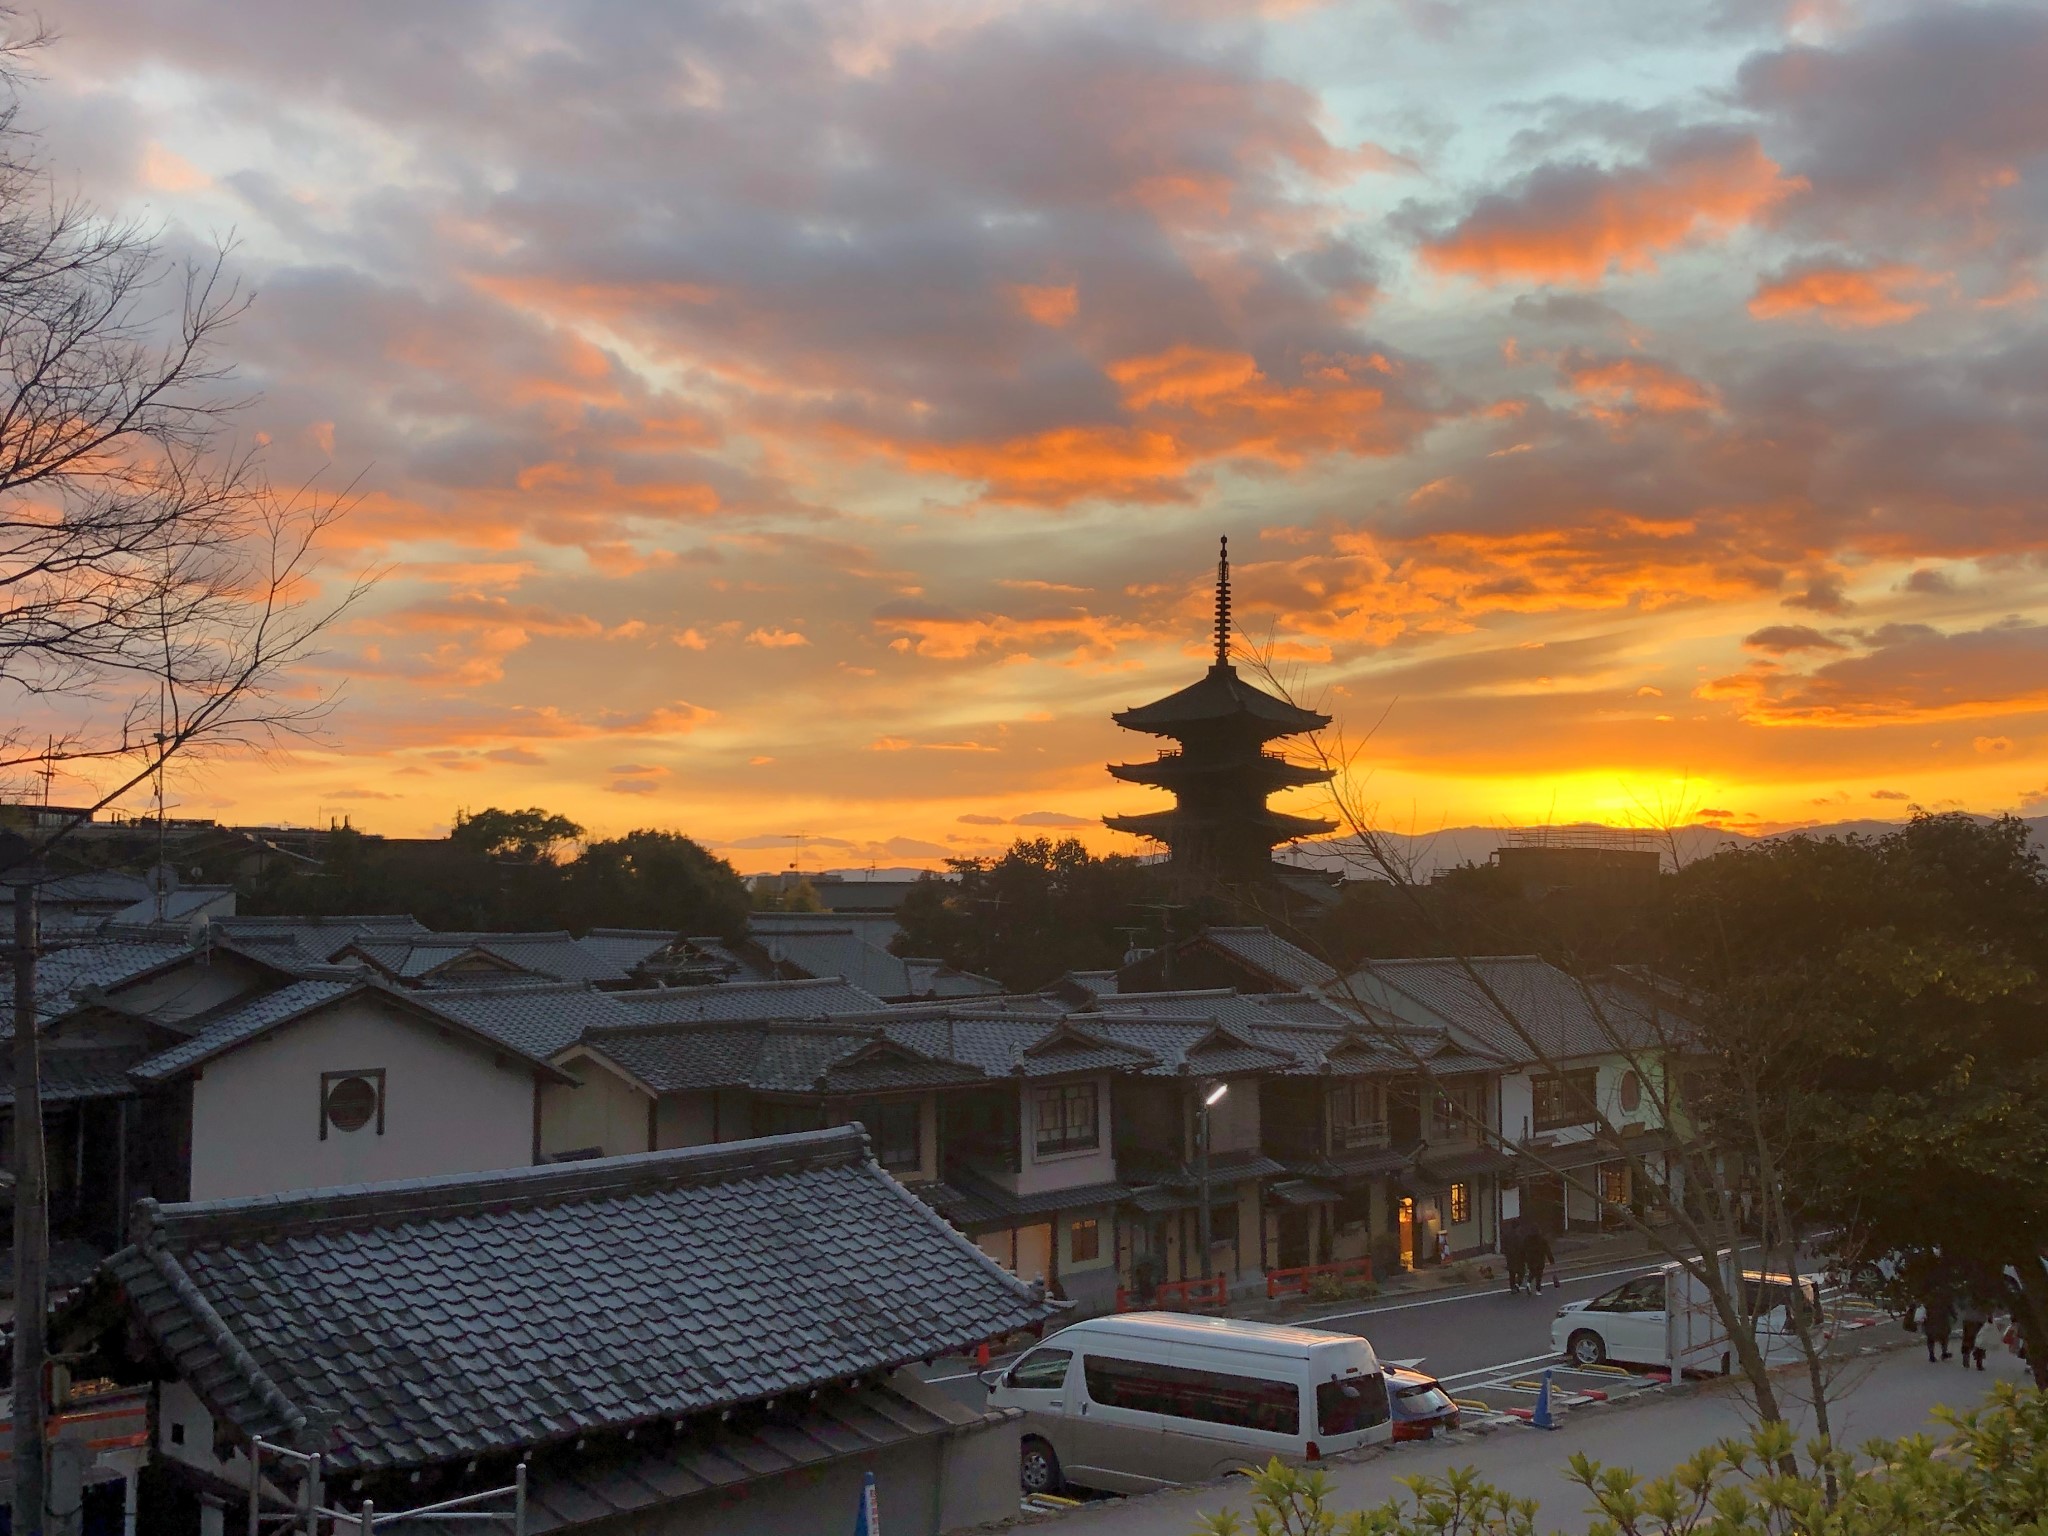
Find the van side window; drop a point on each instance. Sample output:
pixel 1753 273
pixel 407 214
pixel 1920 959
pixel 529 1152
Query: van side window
pixel 1209 1397
pixel 1645 1293
pixel 1041 1369
pixel 1345 1407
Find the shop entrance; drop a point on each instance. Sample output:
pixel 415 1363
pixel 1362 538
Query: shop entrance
pixel 1406 1223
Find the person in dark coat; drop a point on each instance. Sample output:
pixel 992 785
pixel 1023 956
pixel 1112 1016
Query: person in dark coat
pixel 1937 1320
pixel 1512 1240
pixel 1975 1318
pixel 1536 1254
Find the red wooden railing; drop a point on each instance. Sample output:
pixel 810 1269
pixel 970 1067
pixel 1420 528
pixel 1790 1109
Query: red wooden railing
pixel 1296 1281
pixel 1177 1295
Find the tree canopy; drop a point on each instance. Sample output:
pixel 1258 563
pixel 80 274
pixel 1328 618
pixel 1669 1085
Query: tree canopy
pixel 510 870
pixel 1037 911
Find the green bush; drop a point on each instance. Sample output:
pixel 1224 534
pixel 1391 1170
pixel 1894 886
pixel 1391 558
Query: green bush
pixel 1987 1477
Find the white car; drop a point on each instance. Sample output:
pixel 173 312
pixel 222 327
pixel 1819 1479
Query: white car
pixel 1666 1320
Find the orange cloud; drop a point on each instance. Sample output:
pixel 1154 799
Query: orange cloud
pixel 1844 296
pixel 1048 304
pixel 1636 383
pixel 1188 407
pixel 1577 223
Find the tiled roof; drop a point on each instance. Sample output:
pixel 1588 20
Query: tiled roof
pixel 1517 1007
pixel 1004 1206
pixel 626 949
pixel 174 906
pixel 1266 952
pixel 1179 1047
pixel 720 1459
pixel 811 949
pixel 240 1021
pixel 1450 1167
pixel 540 1019
pixel 1220 694
pixel 800 999
pixel 69 1076
pixel 237 1022
pixel 306 940
pixel 401 1325
pixel 62 974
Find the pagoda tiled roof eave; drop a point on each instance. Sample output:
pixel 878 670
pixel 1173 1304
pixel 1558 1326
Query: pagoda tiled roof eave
pixel 1269 772
pixel 1159 824
pixel 1219 696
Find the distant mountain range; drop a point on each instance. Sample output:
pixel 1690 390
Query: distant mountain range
pixel 1430 852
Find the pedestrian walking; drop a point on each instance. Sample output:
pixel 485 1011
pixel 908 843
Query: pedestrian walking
pixel 1512 1243
pixel 1937 1320
pixel 1540 1258
pixel 1976 1317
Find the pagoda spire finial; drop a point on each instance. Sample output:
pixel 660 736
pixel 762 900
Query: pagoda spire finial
pixel 1223 603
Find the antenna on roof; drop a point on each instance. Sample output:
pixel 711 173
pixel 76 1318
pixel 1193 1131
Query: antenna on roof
pixel 1223 603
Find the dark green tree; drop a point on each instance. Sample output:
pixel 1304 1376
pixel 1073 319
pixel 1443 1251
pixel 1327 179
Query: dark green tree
pixel 650 879
pixel 1037 911
pixel 531 836
pixel 1907 976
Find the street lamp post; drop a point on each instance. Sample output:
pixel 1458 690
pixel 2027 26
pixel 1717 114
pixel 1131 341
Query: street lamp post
pixel 1210 1098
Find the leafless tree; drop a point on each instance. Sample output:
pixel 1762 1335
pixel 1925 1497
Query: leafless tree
pixel 153 587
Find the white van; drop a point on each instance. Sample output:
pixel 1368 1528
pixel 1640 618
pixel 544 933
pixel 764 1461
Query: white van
pixel 1667 1319
pixel 1143 1400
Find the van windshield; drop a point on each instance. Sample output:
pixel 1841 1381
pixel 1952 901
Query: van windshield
pixel 1345 1407
pixel 1211 1397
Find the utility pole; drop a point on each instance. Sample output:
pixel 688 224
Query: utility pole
pixel 1210 1095
pixel 1165 909
pixel 31 1200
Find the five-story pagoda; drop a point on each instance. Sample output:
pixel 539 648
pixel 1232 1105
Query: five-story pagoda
pixel 1220 829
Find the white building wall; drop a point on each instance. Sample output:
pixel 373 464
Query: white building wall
pixel 601 1110
pixel 450 1107
pixel 1060 1170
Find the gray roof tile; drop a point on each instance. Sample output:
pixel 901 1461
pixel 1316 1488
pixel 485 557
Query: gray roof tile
pixel 398 1325
pixel 1517 1007
pixel 1266 952
pixel 733 1000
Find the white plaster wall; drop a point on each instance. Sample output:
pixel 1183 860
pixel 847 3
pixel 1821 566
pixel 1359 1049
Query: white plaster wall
pixel 451 1106
pixel 1517 1107
pixel 602 1110
pixel 206 981
pixel 1061 1170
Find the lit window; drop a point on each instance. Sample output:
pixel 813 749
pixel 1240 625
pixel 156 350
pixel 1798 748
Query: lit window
pixel 1614 1184
pixel 1461 1203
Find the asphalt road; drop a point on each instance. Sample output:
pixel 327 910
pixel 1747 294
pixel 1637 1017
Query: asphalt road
pixel 1884 1395
pixel 1459 1335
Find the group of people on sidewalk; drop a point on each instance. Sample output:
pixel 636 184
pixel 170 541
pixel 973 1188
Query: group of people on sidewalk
pixel 1946 1310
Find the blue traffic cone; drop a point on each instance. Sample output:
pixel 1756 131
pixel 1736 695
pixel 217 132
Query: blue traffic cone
pixel 1542 1418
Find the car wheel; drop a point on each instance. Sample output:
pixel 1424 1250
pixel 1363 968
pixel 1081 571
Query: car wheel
pixel 1039 1469
pixel 1587 1348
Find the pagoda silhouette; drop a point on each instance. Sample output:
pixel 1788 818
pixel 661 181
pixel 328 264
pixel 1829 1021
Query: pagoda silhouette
pixel 1220 830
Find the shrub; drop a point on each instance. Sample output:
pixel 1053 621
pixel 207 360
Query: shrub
pixel 1987 1477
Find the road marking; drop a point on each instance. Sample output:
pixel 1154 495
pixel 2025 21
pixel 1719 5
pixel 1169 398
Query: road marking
pixel 1398 1306
pixel 1438 1301
pixel 1502 1368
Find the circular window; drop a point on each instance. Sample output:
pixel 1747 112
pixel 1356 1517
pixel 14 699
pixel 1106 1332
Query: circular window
pixel 1631 1093
pixel 350 1103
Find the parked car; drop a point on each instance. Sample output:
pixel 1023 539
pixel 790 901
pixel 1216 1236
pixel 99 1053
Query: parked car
pixel 1421 1405
pixel 1144 1400
pixel 1666 1319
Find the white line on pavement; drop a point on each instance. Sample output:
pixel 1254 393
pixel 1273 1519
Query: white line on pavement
pixel 1396 1306
pixel 1438 1301
pixel 1502 1368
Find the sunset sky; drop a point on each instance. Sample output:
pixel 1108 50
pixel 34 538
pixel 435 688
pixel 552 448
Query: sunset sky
pixel 819 416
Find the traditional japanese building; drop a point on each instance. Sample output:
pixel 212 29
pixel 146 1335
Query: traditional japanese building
pixel 1220 828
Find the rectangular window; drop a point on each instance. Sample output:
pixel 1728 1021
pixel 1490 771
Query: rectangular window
pixel 1456 1113
pixel 895 1130
pixel 1066 1119
pixel 1461 1203
pixel 1355 1118
pixel 1564 1098
pixel 1346 1407
pixel 1084 1242
pixel 1614 1184
pixel 1181 1392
